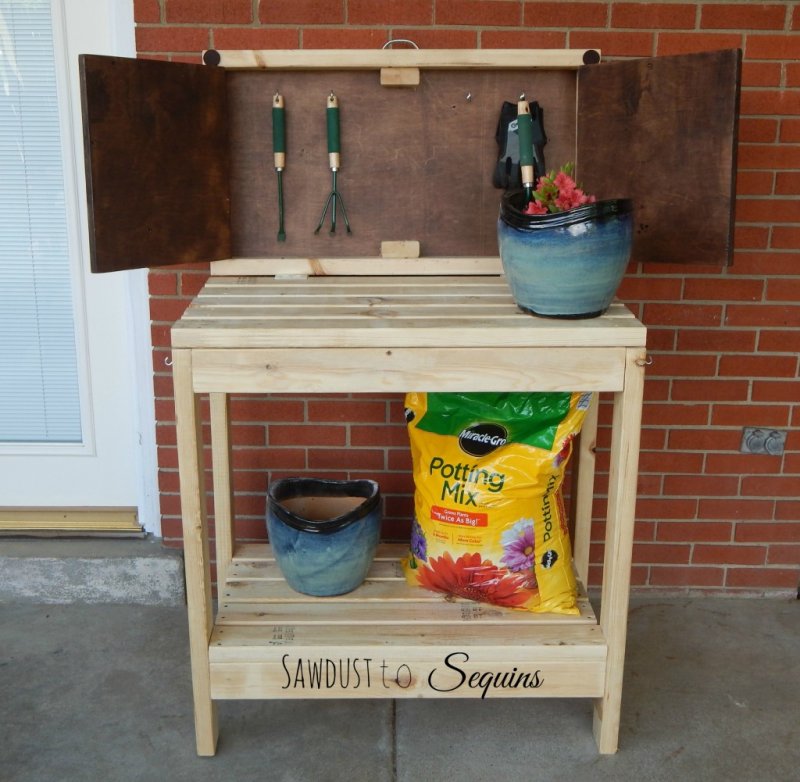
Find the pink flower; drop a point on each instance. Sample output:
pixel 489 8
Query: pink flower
pixel 557 193
pixel 535 208
pixel 565 183
pixel 566 201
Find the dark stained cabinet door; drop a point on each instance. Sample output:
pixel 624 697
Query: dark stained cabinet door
pixel 663 132
pixel 156 152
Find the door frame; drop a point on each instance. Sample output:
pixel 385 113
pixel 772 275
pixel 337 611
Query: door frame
pixel 104 27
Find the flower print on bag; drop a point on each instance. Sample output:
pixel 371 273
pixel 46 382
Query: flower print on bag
pixel 419 545
pixel 519 543
pixel 566 450
pixel 474 578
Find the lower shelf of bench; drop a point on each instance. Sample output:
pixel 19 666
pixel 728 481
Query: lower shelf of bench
pixel 391 640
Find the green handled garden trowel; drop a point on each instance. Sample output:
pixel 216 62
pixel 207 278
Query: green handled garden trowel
pixel 279 153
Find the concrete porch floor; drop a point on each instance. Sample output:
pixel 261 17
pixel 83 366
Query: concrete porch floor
pixel 101 692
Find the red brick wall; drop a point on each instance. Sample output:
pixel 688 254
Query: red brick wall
pixel 724 342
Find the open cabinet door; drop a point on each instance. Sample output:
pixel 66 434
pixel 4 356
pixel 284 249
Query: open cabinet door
pixel 156 150
pixel 662 131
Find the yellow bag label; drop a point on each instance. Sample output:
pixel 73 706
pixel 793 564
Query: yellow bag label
pixel 489 516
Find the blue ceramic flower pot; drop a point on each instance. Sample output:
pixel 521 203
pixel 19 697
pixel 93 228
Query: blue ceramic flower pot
pixel 565 264
pixel 323 533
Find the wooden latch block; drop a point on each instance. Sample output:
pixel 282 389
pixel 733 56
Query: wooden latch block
pixel 406 249
pixel 400 77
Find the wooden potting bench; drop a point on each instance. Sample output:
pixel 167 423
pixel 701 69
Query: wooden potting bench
pixel 343 334
pixel 179 169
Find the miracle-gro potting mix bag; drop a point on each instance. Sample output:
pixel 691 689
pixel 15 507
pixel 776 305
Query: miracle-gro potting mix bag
pixel 489 516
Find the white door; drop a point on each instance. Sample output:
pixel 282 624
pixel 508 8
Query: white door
pixel 102 454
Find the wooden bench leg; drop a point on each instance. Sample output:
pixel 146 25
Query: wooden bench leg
pixel 619 543
pixel 196 549
pixel 223 492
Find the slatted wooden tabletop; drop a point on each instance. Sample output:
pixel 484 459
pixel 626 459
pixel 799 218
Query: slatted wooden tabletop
pixel 465 311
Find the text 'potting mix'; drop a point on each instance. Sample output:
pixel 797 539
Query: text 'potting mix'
pixel 489 521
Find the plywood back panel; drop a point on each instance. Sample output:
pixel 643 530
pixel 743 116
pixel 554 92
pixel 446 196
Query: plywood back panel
pixel 416 162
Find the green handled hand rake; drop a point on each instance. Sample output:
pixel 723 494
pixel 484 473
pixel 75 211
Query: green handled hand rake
pixel 332 114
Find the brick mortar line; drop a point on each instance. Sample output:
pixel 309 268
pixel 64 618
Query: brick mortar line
pixel 719 565
pixel 210 27
pixel 727 271
pixel 656 32
pixel 521 25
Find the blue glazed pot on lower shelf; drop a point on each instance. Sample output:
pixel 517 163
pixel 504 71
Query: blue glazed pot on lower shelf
pixel 324 533
pixel 565 264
